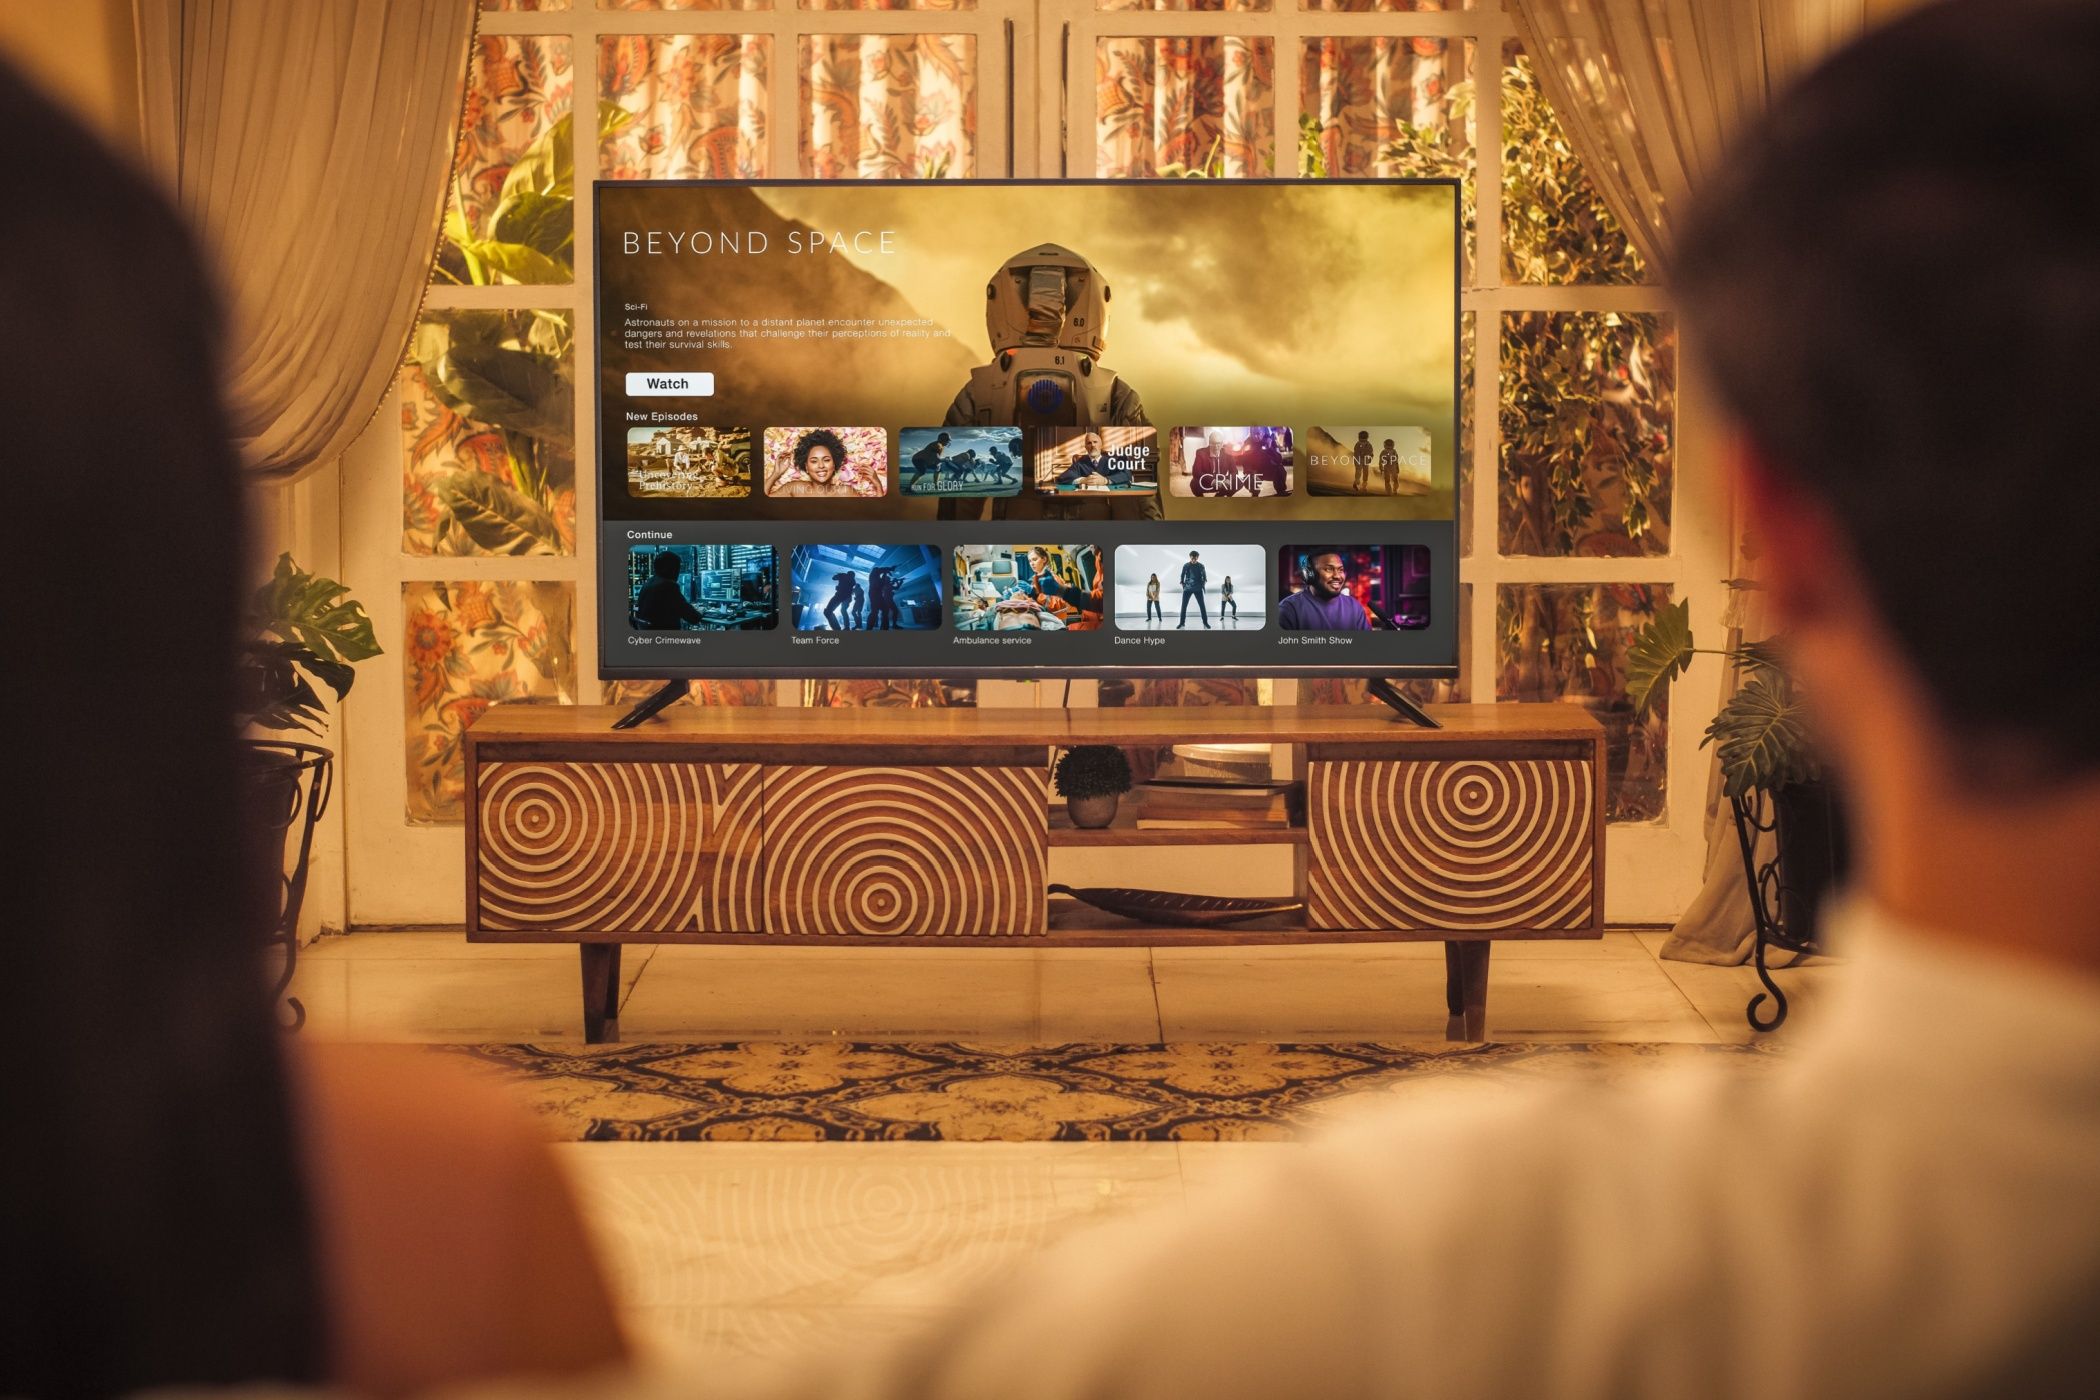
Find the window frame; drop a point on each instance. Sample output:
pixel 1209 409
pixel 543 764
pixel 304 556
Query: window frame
pixel 1036 118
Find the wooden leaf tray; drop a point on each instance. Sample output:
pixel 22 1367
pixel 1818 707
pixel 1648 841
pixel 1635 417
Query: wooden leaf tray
pixel 1187 910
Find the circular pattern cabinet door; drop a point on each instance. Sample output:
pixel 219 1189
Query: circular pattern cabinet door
pixel 897 852
pixel 617 848
pixel 1454 844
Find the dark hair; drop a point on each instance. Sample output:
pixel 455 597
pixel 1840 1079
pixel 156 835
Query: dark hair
pixel 1901 302
pixel 666 565
pixel 820 437
pixel 153 1210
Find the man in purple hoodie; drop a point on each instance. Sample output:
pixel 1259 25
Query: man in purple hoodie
pixel 1325 603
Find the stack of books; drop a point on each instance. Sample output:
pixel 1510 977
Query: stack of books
pixel 1195 806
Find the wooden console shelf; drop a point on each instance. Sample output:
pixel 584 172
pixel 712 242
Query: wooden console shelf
pixel 847 827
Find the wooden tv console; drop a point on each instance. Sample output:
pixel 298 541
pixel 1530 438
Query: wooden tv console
pixel 831 827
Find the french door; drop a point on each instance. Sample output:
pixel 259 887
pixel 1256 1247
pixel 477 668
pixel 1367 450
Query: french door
pixel 1031 88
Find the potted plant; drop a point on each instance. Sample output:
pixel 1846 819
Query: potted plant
pixel 1091 778
pixel 1770 771
pixel 301 628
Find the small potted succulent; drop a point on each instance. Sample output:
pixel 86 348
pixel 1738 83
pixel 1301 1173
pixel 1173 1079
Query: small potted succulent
pixel 1091 778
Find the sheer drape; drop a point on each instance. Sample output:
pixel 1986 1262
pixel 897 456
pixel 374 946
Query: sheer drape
pixel 309 143
pixel 1650 91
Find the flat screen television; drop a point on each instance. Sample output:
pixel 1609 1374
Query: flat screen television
pixel 1010 428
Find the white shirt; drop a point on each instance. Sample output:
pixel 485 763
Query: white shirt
pixel 1905 1208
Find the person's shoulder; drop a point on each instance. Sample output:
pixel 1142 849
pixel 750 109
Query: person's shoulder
pixel 406 1107
pixel 454 1249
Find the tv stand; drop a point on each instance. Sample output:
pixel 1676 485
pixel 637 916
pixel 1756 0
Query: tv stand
pixel 647 708
pixel 780 827
pixel 1407 709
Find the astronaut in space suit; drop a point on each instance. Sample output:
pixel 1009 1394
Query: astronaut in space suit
pixel 1046 313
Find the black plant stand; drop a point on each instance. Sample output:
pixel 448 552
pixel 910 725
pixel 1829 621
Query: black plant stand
pixel 291 783
pixel 1808 857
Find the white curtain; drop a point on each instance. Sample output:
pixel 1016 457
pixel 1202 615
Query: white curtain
pixel 1650 91
pixel 309 144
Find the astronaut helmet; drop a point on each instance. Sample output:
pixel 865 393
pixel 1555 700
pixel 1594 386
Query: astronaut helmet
pixel 1047 295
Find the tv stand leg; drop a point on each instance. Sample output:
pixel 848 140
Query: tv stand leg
pixel 1466 988
pixel 601 992
pixel 1407 709
pixel 643 710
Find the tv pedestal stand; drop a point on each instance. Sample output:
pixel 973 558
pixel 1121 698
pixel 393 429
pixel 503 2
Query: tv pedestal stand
pixel 647 708
pixel 1407 709
pixel 841 828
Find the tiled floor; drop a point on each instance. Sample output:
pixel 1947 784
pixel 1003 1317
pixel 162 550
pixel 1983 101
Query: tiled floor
pixel 756 1252
pixel 438 987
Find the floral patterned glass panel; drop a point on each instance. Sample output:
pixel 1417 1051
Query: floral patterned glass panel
pixel 745 692
pixel 1186 105
pixel 888 4
pixel 685 4
pixel 1589 427
pixel 1385 7
pixel 510 216
pixel 1210 5
pixel 1567 642
pixel 469 645
pixel 889 694
pixel 1556 227
pixel 488 426
pixel 1331 690
pixel 1384 105
pixel 889 106
pixel 696 105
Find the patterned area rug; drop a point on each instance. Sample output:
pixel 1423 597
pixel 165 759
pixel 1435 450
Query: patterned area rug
pixel 847 1091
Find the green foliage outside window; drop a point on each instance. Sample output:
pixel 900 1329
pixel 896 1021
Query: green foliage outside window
pixel 513 371
pixel 530 233
pixel 1556 228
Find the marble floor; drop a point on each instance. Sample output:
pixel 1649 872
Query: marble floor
pixel 437 987
pixel 753 1253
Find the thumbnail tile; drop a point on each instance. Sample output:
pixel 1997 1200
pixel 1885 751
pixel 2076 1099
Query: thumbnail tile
pixel 959 461
pixel 1245 462
pixel 1027 587
pixel 1353 588
pixel 1113 460
pixel 1191 587
pixel 836 463
pixel 688 463
pixel 1356 461
pixel 702 588
pixel 866 587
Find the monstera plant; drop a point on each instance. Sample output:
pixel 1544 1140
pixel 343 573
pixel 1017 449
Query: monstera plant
pixel 1760 736
pixel 301 628
pixel 512 371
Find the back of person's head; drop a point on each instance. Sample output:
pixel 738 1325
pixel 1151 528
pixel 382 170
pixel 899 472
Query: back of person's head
pixel 152 1214
pixel 666 565
pixel 1896 287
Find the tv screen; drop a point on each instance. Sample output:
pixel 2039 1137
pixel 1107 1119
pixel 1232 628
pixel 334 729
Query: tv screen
pixel 1012 428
